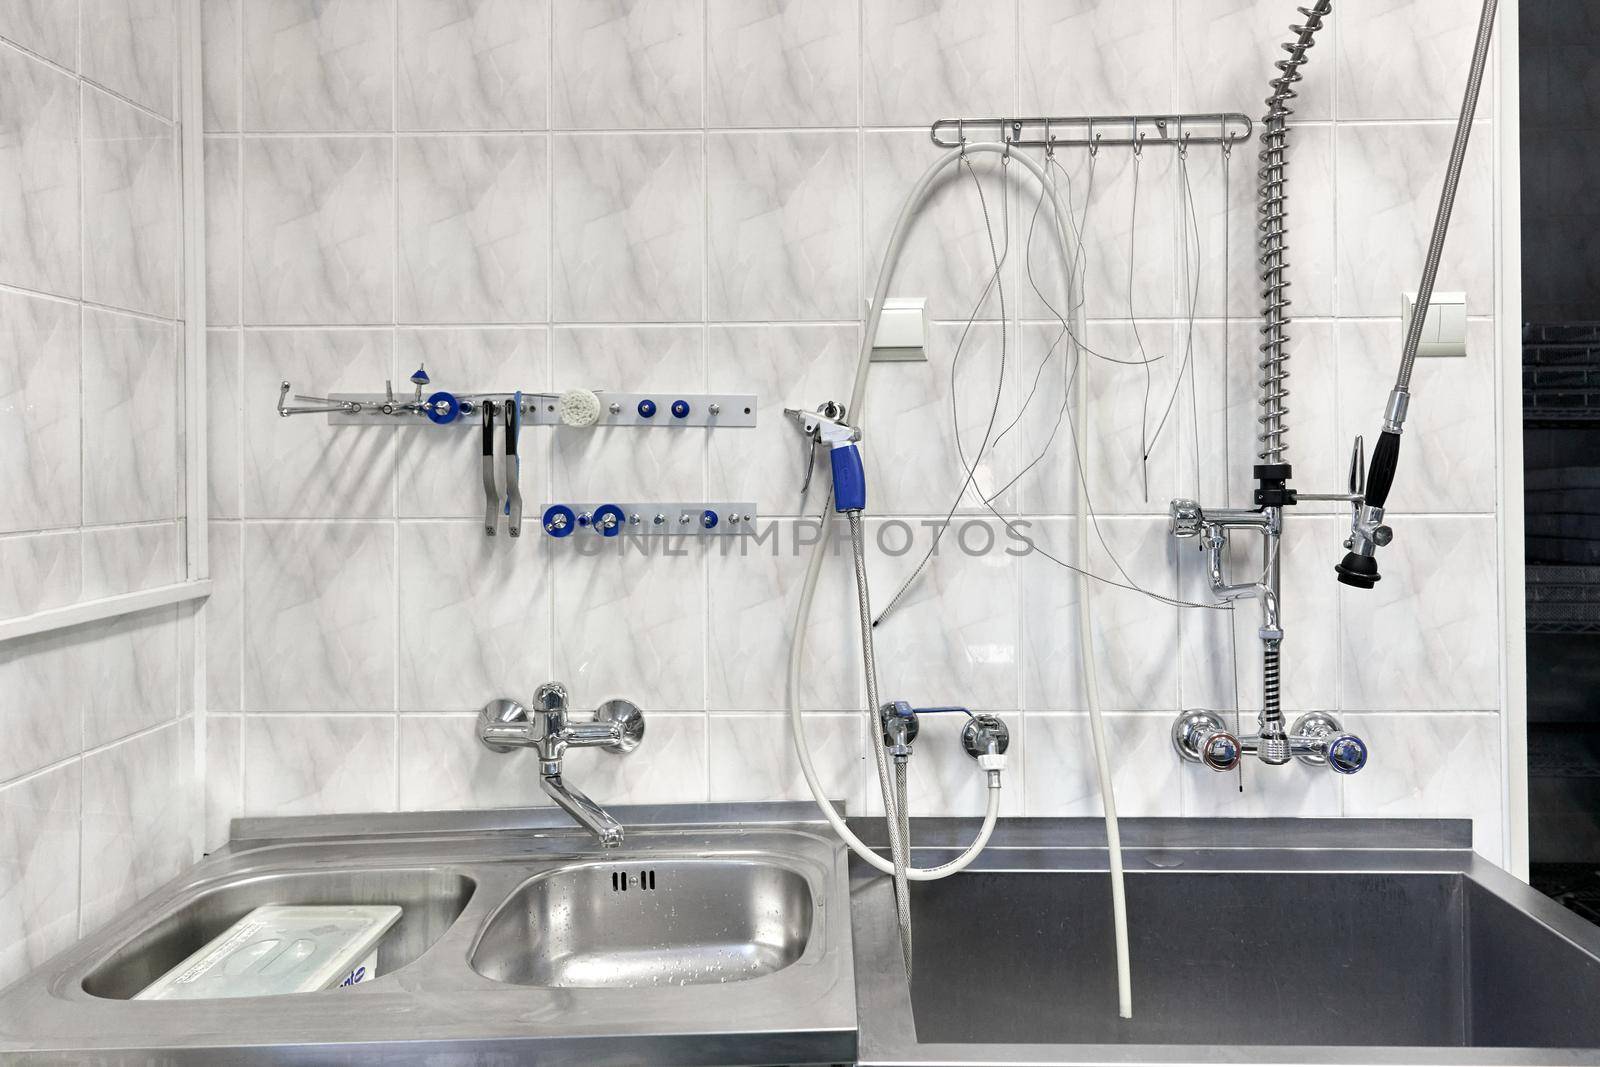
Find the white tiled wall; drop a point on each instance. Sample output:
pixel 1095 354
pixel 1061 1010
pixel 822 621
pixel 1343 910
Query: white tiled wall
pixel 694 194
pixel 98 804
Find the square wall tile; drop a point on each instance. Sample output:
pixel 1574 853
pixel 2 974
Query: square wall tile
pixel 474 229
pixel 130 674
pixel 444 767
pixel 629 228
pixel 949 255
pixel 752 759
pixel 40 571
pixel 783 366
pixel 131 206
pixel 1096 57
pixel 929 59
pixel 754 589
pixel 782 62
pixel 302 467
pixel 318 230
pixel 42 715
pixel 474 65
pixel 311 66
pixel 954 637
pixel 39 866
pixel 1220 67
pixel 130 444
pixel 126 559
pixel 1432 767
pixel 1388 182
pixel 478 627
pixel 1427 636
pixel 39 195
pixel 1450 462
pixel 47 27
pixel 140 804
pixel 1133 635
pixel 638 64
pixel 621 462
pixel 1405 59
pixel 131 48
pixel 319 625
pixel 784 225
pixel 630 619
pixel 41 386
pixel 1146 776
pixel 318 764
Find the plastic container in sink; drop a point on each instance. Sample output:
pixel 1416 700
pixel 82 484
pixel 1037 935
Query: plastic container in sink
pixel 278 949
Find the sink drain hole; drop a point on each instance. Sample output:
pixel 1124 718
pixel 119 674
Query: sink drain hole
pixel 645 881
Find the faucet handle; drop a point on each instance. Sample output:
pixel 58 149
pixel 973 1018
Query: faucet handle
pixel 1202 737
pixel 1188 519
pixel 626 722
pixel 551 696
pixel 1319 740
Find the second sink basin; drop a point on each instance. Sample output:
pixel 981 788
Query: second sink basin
pixel 643 923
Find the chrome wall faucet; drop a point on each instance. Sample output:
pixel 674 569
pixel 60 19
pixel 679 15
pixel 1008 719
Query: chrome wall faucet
pixel 616 726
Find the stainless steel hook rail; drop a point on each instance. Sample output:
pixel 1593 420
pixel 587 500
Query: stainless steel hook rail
pixel 1098 131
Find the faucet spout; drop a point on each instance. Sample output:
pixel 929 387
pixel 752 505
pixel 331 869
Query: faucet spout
pixel 548 728
pixel 585 812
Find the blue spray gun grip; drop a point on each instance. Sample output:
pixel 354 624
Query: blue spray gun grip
pixel 849 478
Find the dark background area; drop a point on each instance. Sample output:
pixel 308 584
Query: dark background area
pixel 1560 65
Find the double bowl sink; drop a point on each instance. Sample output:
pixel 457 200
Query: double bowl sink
pixel 518 939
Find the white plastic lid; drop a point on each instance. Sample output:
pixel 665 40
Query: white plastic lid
pixel 278 949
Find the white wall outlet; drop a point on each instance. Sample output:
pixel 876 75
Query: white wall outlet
pixel 1444 331
pixel 902 331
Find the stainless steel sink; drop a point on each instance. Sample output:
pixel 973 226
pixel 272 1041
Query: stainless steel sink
pixel 1252 941
pixel 430 900
pixel 517 943
pixel 680 922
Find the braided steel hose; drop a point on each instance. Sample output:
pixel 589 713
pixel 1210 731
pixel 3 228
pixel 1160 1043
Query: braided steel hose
pixel 1273 242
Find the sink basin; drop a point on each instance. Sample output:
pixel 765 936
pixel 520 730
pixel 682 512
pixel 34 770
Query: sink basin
pixel 1282 959
pixel 1251 942
pixel 662 923
pixel 430 900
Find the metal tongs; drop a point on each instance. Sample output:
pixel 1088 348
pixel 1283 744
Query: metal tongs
pixel 494 503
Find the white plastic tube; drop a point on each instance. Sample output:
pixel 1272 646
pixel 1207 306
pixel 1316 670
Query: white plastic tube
pixel 808 588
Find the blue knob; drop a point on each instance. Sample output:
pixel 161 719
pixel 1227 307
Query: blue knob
pixel 647 409
pixel 443 408
pixel 420 377
pixel 709 519
pixel 680 409
pixel 1347 754
pixel 559 521
pixel 608 520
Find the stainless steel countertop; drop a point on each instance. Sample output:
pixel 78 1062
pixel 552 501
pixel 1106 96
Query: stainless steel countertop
pixel 439 1010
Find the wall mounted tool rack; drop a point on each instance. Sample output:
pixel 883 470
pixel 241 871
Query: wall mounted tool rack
pixel 1097 131
pixel 503 414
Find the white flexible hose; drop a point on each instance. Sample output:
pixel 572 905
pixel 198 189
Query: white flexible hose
pixel 808 591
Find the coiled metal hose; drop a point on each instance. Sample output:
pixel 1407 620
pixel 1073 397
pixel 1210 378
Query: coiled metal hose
pixel 1274 244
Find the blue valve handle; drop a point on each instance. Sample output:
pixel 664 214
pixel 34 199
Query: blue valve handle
pixel 447 401
pixel 849 478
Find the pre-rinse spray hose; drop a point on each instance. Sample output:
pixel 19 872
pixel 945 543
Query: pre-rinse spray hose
pixel 808 589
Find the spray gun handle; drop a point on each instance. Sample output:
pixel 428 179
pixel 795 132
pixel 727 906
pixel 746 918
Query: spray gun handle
pixel 849 477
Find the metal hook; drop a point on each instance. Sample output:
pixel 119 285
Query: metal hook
pixel 1138 145
pixel 1183 146
pixel 1094 149
pixel 961 132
